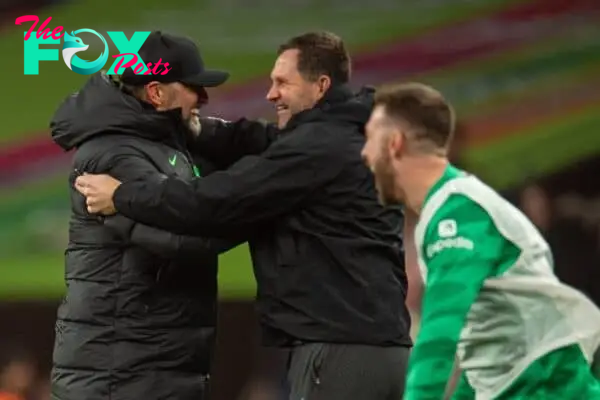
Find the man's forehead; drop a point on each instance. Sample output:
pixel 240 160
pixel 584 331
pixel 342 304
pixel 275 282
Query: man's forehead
pixel 286 60
pixel 374 123
pixel 378 114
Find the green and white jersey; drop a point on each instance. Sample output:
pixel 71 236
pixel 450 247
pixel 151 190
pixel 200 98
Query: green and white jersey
pixel 490 292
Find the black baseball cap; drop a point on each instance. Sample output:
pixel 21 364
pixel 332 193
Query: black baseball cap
pixel 185 61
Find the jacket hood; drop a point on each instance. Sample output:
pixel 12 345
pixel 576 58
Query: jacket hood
pixel 101 107
pixel 340 103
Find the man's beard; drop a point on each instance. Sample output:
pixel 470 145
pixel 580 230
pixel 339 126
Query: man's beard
pixel 193 124
pixel 385 181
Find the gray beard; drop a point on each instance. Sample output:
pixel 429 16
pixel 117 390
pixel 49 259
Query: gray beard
pixel 194 125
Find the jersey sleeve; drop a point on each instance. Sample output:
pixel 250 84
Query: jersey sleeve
pixel 461 249
pixel 463 390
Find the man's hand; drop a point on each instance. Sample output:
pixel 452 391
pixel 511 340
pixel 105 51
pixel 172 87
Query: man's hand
pixel 99 191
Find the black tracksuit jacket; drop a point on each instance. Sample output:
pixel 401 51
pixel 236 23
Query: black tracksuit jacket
pixel 328 258
pixel 138 319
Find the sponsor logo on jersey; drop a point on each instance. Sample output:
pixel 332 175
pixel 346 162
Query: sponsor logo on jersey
pixel 451 243
pixel 447 228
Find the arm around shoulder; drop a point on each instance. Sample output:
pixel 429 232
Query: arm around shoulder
pixel 254 190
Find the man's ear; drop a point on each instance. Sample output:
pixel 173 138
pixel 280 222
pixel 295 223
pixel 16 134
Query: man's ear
pixel 396 144
pixel 154 93
pixel 324 83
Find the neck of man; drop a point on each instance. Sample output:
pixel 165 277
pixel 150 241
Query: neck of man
pixel 422 173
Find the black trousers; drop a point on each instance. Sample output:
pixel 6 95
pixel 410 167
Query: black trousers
pixel 327 371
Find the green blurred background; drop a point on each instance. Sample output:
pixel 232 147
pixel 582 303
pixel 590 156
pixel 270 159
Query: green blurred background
pixel 523 75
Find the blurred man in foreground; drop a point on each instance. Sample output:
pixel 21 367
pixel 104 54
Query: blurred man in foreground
pixel 327 256
pixel 490 293
pixel 138 320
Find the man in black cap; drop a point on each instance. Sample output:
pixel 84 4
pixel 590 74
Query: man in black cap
pixel 138 319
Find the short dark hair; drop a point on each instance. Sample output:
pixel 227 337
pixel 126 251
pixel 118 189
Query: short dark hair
pixel 320 53
pixel 430 117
